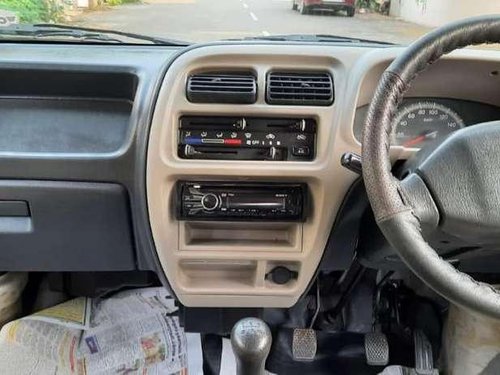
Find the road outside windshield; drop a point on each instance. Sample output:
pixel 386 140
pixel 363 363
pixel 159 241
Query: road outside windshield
pixel 396 21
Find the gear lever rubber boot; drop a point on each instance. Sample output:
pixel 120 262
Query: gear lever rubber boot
pixel 251 341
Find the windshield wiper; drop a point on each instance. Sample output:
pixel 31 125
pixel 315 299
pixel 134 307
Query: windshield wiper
pixel 80 34
pixel 318 38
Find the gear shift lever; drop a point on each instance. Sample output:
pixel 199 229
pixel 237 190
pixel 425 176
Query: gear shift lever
pixel 251 341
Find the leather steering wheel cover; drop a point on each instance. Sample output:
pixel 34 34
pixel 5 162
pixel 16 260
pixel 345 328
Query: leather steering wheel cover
pixel 394 215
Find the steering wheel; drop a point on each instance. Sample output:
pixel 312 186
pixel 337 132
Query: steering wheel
pixel 456 187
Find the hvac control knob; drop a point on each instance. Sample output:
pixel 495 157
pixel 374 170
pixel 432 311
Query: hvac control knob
pixel 210 202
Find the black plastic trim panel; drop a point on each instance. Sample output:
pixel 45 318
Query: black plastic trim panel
pixel 124 167
pixel 69 226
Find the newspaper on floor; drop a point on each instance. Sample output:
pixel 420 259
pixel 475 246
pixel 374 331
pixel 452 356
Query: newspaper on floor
pixel 134 332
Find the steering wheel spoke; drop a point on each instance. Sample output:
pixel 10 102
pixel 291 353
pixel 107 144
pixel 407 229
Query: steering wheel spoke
pixel 418 196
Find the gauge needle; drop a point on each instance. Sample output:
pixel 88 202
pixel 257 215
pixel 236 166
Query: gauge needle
pixel 420 138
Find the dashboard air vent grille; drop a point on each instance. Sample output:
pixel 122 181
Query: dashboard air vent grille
pixel 224 88
pixel 313 88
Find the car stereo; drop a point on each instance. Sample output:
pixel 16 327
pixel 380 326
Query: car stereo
pixel 241 201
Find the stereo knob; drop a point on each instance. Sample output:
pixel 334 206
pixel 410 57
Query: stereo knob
pixel 210 202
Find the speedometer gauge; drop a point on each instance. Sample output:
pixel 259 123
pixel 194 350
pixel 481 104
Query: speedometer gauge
pixel 424 122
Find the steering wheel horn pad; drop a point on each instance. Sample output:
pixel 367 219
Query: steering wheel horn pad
pixel 463 176
pixel 455 187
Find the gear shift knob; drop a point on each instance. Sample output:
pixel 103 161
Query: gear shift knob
pixel 251 341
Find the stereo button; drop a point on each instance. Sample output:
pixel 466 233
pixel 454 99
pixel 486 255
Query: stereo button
pixel 300 151
pixel 210 202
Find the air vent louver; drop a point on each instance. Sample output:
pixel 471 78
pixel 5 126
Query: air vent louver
pixel 300 88
pixel 224 88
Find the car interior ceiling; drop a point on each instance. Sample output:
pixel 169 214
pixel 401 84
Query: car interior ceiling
pixel 233 174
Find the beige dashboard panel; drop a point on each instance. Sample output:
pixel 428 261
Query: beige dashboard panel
pixel 221 264
pixel 225 264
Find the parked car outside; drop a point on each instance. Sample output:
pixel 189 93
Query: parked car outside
pixel 306 6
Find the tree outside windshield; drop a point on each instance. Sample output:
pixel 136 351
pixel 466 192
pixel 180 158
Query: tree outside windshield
pixel 395 21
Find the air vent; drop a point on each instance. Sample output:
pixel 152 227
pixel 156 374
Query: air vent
pixel 299 88
pixel 224 88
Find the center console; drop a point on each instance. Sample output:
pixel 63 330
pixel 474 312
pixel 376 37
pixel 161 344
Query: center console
pixel 243 181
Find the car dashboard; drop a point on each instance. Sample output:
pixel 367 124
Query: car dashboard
pixel 111 162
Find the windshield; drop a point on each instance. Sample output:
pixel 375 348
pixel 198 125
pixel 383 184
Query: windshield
pixel 191 21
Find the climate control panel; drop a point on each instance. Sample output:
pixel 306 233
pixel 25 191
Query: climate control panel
pixel 247 138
